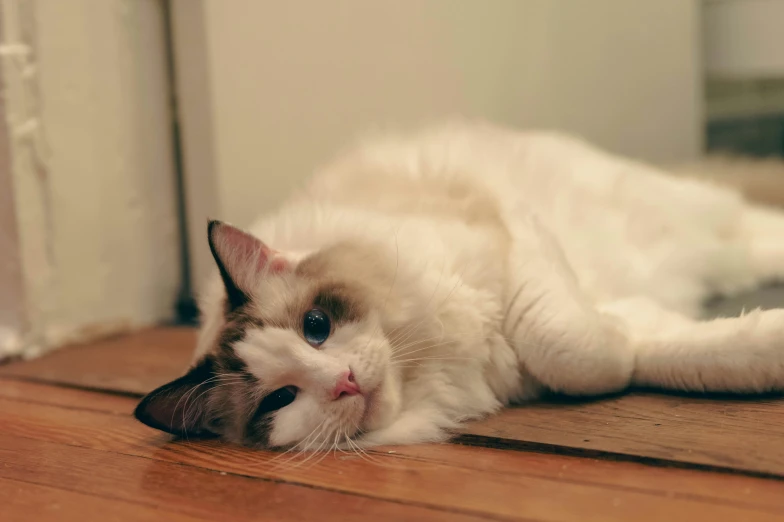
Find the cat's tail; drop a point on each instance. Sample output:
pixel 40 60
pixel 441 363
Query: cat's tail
pixel 739 355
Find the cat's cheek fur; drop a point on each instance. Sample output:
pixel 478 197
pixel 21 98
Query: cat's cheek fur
pixel 385 403
pixel 279 357
pixel 311 424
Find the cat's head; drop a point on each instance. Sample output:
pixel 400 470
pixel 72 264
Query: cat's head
pixel 300 356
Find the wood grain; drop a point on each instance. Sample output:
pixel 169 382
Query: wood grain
pixel 23 501
pixel 448 479
pixel 742 434
pixel 188 491
pixel 739 434
pixel 135 364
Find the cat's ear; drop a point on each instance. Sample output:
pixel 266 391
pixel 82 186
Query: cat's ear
pixel 181 406
pixel 240 258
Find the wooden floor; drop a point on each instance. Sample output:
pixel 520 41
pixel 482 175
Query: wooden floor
pixel 70 450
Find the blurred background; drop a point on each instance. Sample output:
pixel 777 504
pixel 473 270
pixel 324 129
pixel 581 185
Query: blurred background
pixel 127 122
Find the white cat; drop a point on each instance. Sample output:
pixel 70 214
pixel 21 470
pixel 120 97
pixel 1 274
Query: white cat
pixel 422 281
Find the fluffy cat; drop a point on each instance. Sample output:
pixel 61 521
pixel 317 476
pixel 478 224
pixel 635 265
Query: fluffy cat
pixel 424 280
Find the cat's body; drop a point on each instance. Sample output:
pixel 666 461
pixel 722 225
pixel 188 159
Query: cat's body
pixel 463 269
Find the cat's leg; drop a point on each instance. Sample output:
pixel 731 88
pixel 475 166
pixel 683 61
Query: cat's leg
pixel 575 347
pixel 740 354
pixel 560 336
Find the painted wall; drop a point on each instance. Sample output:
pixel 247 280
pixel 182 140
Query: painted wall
pixel 743 39
pixel 89 127
pixel 270 89
pixel 11 289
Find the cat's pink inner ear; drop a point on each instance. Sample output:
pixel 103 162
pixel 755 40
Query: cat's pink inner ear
pixel 244 255
pixel 279 264
pixel 246 249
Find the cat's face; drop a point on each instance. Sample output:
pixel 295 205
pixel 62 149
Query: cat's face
pixel 301 358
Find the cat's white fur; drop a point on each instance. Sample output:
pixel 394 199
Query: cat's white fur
pixel 523 261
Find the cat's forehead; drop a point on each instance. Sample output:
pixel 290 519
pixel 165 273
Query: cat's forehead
pixel 280 300
pixel 333 279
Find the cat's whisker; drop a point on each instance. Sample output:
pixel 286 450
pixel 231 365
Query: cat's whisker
pixel 378 461
pixel 304 443
pixel 195 402
pixel 396 332
pixel 336 438
pixel 442 342
pixel 418 359
pixel 313 453
pixel 397 344
pixel 323 456
pixel 447 342
pixel 432 351
pixel 359 451
pixel 417 324
pixel 186 397
pixel 395 337
pixel 343 440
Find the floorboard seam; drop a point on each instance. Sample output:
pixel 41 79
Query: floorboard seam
pixel 501 443
pixel 72 386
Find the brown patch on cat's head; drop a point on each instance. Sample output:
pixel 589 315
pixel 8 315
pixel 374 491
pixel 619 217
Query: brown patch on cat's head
pixel 356 273
pixel 344 281
pixel 237 322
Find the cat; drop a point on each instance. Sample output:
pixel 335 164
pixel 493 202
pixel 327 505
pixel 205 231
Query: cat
pixel 423 280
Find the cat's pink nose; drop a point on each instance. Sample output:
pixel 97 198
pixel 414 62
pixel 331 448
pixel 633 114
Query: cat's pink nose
pixel 346 386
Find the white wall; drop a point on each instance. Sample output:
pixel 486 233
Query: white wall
pixel 92 170
pixel 270 89
pixel 11 290
pixel 744 38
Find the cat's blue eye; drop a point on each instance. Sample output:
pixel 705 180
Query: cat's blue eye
pixel 316 327
pixel 278 399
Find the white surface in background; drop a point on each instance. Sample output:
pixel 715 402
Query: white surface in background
pixel 11 289
pixel 87 109
pixel 744 38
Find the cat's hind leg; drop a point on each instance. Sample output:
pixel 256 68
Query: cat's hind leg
pixel 740 354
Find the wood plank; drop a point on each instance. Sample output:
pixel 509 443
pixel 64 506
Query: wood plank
pixel 69 398
pixel 135 363
pixel 467 480
pixel 26 501
pixel 713 487
pixel 741 434
pixel 184 491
